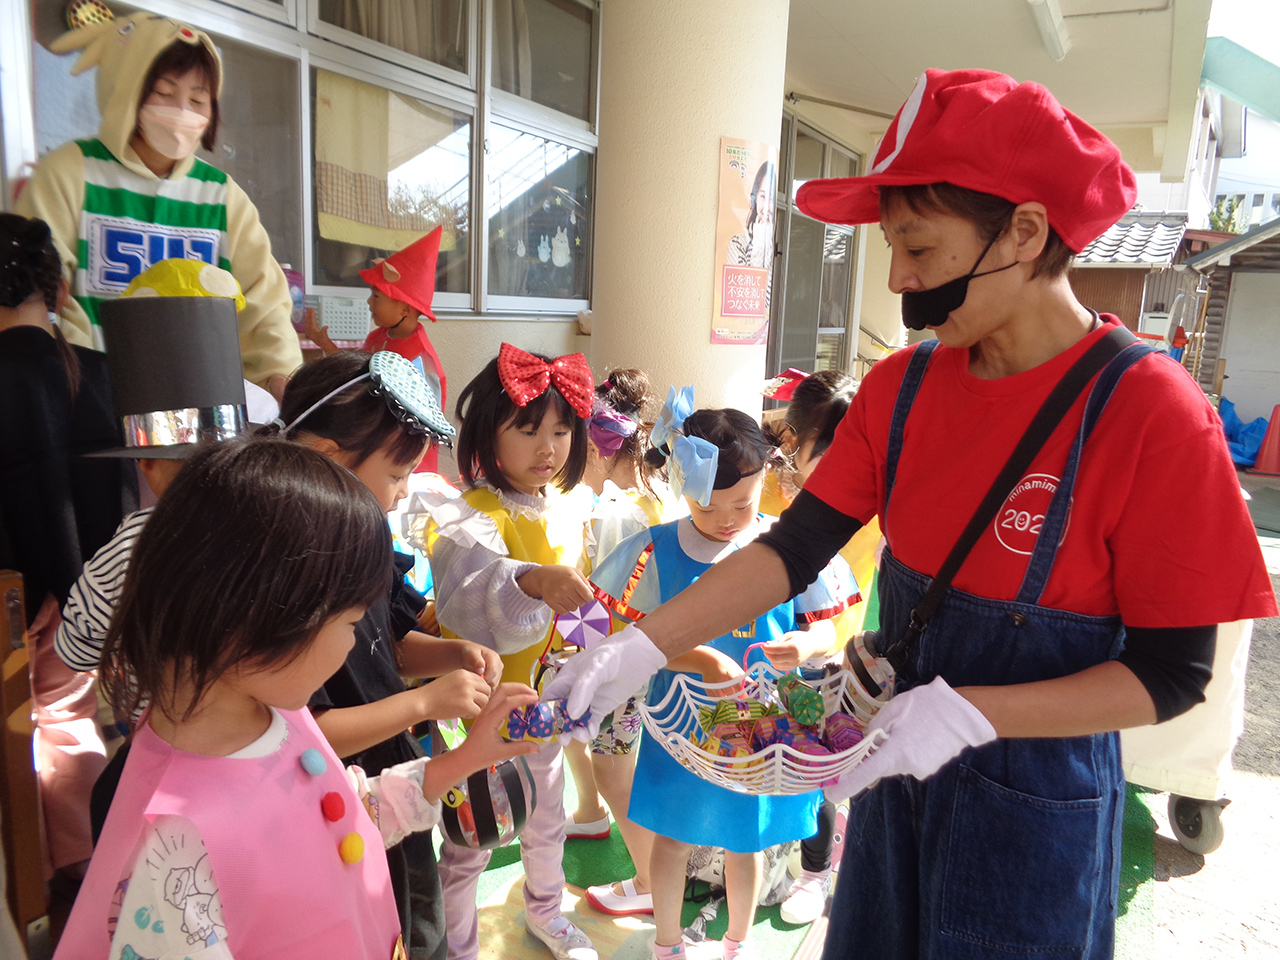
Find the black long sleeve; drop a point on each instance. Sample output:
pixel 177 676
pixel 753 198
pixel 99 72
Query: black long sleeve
pixel 1173 663
pixel 807 535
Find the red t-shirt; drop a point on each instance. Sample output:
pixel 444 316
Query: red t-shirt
pixel 411 348
pixel 1158 531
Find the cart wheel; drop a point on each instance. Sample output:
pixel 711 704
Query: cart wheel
pixel 1196 823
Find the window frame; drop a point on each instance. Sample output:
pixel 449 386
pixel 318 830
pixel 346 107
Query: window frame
pixel 792 127
pixel 292 29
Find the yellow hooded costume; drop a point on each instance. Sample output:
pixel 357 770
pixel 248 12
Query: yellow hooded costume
pixel 112 218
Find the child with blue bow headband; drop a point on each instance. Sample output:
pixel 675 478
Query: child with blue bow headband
pixel 716 460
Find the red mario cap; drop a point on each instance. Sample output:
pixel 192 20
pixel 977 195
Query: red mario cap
pixel 985 131
pixel 409 275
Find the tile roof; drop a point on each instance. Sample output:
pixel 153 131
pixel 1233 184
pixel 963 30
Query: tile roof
pixel 1140 238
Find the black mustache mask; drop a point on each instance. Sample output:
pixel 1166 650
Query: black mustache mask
pixel 930 308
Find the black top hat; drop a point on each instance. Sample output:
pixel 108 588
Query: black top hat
pixel 175 371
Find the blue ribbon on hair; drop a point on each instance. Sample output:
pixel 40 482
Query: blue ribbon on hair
pixel 674 413
pixel 692 468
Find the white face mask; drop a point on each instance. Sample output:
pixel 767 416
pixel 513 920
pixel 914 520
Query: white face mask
pixel 172 132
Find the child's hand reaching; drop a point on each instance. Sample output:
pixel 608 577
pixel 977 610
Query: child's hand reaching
pixel 562 588
pixel 800 645
pixel 484 736
pixel 462 693
pixel 483 746
pixel 317 334
pixel 483 661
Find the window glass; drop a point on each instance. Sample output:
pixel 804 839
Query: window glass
pixel 542 52
pixel 258 140
pixel 837 276
pixel 538 204
pixel 389 168
pixel 808 161
pixel 842 165
pixel 434 30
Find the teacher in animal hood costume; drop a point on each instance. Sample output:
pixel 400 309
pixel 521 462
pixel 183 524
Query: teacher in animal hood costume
pixel 136 193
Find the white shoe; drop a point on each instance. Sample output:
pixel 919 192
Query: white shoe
pixel 807 897
pixel 564 940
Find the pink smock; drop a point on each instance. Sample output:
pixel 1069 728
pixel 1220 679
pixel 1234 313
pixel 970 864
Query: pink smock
pixel 286 891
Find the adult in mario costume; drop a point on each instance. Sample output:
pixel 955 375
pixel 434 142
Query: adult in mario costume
pixel 988 822
pixel 136 193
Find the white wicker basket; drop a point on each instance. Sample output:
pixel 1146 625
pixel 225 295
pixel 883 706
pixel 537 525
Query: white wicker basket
pixel 777 769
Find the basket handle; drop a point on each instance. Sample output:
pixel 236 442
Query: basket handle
pixel 746 654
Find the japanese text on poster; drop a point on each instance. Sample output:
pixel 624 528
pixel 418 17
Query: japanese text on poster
pixel 744 242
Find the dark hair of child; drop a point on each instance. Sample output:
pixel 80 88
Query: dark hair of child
pixel 745 447
pixel 29 263
pixel 255 546
pixel 179 58
pixel 817 406
pixel 989 214
pixel 629 392
pixel 485 408
pixel 357 420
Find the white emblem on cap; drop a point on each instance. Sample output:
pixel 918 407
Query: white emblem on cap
pixel 906 117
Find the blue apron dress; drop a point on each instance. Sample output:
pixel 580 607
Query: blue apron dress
pixel 1011 850
pixel 673 802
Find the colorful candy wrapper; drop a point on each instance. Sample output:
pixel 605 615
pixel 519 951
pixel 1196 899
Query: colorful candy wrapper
pixel 842 732
pixel 771 730
pixel 801 700
pixel 541 721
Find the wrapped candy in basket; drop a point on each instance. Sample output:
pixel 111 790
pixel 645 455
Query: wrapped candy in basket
pixel 801 700
pixel 745 743
pixel 542 721
pixel 842 732
pixel 489 808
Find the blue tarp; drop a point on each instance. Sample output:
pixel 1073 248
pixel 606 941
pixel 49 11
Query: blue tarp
pixel 1243 439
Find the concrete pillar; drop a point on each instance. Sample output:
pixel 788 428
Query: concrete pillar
pixel 676 77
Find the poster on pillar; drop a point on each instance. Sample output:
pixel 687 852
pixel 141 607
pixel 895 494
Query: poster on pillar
pixel 744 242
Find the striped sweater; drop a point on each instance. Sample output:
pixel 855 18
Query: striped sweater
pixel 93 598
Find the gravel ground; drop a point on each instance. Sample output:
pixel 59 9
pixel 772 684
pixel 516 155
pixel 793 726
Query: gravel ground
pixel 1224 905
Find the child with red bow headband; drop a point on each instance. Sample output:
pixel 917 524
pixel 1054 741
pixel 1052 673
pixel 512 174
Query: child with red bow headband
pixel 507 557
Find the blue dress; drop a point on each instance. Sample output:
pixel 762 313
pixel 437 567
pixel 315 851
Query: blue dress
pixel 644 571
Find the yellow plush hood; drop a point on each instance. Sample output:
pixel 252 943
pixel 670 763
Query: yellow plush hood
pixel 123 51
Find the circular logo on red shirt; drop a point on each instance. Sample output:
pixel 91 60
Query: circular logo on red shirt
pixel 1022 513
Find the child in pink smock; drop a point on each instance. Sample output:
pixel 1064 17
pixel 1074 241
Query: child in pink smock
pixel 235 831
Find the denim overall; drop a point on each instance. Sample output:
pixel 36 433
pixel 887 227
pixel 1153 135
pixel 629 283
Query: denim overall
pixel 1012 849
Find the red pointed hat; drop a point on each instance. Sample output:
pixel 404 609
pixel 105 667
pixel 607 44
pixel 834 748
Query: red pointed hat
pixel 409 275
pixel 985 131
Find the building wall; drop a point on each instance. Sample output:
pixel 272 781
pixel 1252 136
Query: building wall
pixel 1110 290
pixel 1250 347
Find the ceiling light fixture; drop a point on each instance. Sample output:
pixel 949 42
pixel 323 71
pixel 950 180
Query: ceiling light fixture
pixel 1048 17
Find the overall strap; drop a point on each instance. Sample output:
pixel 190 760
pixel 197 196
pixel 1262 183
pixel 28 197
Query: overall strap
pixel 1053 527
pixel 911 381
pixel 1055 407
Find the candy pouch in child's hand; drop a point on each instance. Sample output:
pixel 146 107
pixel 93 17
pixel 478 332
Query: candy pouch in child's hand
pixel 490 808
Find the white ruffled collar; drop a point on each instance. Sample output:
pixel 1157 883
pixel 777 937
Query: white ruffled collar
pixel 527 505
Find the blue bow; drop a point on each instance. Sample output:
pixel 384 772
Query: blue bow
pixel 674 413
pixel 692 468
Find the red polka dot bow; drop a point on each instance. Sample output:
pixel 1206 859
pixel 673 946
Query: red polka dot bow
pixel 526 377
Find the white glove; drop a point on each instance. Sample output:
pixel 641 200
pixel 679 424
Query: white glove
pixel 602 678
pixel 927 726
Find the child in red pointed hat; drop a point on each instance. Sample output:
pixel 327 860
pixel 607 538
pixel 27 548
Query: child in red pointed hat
pixel 403 285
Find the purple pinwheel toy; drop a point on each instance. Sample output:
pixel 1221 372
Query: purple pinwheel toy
pixel 586 626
